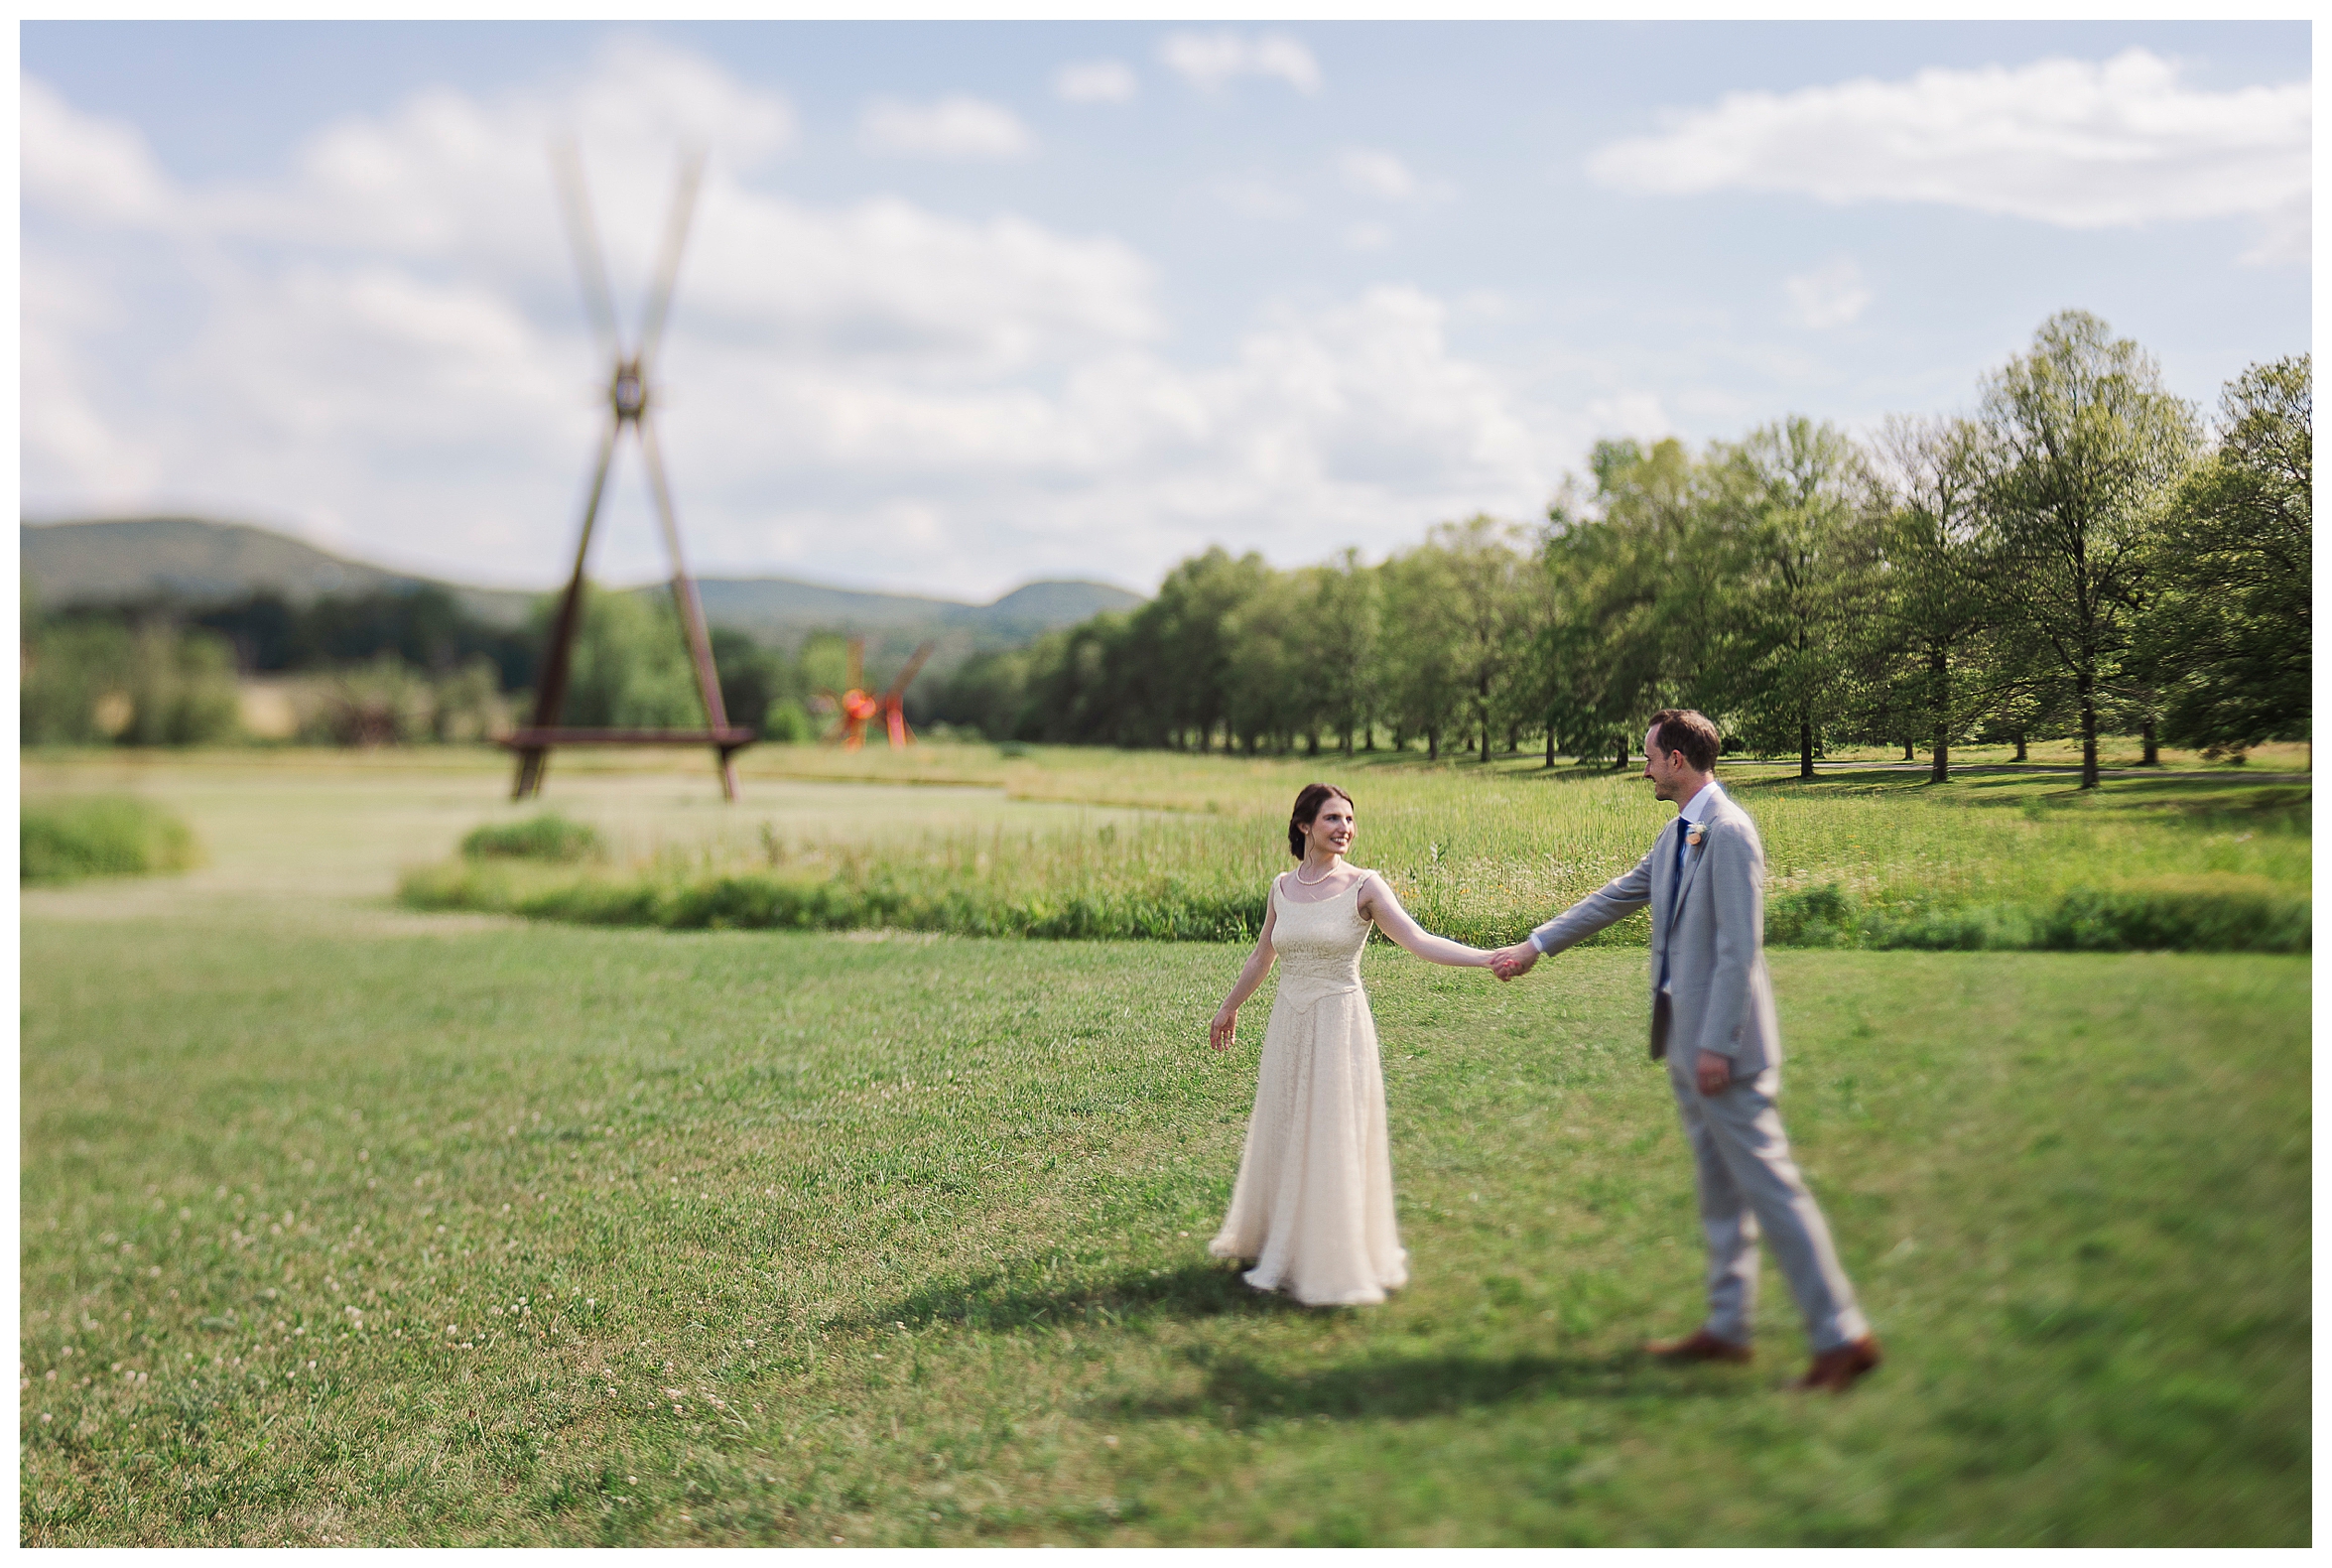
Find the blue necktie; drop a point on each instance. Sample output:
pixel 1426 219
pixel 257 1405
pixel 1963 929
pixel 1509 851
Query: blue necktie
pixel 1675 893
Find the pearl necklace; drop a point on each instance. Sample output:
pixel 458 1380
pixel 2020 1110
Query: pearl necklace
pixel 1324 876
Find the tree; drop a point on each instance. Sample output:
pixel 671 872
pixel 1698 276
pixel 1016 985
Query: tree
pixel 1577 658
pixel 1939 604
pixel 1800 502
pixel 1424 680
pixel 423 624
pixel 630 669
pixel 1344 605
pixel 181 687
pixel 1630 599
pixel 1267 691
pixel 754 680
pixel 987 691
pixel 2231 634
pixel 66 669
pixel 1481 570
pixel 2083 446
pixel 1071 695
pixel 1190 633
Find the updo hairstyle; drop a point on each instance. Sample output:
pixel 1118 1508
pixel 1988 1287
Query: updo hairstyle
pixel 1308 804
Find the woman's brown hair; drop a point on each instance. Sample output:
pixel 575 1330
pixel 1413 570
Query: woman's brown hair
pixel 1308 803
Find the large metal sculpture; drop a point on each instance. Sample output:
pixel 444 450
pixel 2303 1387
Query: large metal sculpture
pixel 628 406
pixel 857 708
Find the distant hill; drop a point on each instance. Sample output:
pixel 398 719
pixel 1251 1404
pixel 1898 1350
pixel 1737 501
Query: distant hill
pixel 781 610
pixel 202 562
pixel 197 561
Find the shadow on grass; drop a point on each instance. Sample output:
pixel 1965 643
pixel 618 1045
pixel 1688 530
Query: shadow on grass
pixel 1523 767
pixel 2201 799
pixel 1019 1298
pixel 1240 1390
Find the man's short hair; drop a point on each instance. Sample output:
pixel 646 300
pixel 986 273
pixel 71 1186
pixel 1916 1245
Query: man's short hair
pixel 1687 730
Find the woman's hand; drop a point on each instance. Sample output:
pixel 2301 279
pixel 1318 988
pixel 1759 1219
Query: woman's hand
pixel 1225 1028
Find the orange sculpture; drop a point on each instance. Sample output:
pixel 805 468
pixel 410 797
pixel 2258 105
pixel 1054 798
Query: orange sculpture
pixel 857 708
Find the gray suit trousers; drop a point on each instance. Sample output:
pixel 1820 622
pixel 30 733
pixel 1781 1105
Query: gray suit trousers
pixel 1748 1185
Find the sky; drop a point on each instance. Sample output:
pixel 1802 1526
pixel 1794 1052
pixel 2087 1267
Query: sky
pixel 965 306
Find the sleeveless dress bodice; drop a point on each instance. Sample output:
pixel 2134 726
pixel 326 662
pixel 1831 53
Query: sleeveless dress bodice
pixel 1313 1203
pixel 1319 945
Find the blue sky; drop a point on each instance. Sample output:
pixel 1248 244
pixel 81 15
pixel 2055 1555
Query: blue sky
pixel 967 304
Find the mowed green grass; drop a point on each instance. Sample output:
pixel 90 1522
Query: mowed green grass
pixel 346 1225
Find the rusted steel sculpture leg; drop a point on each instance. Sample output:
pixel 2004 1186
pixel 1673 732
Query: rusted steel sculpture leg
pixel 551 693
pixel 686 601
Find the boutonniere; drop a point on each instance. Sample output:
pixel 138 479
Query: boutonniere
pixel 1693 836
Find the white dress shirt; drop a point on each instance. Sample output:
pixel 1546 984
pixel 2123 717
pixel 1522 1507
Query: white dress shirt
pixel 1703 806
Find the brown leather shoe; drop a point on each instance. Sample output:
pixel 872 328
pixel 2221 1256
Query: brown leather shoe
pixel 1837 1370
pixel 1697 1346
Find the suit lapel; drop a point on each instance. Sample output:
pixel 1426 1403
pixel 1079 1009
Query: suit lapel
pixel 1692 865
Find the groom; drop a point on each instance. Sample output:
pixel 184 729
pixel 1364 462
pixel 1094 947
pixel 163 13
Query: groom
pixel 1713 1020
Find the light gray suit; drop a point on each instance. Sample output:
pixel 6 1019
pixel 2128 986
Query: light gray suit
pixel 1708 938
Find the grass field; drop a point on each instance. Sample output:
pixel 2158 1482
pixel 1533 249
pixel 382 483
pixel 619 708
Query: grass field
pixel 345 1223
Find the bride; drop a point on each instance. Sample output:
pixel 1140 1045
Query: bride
pixel 1313 1203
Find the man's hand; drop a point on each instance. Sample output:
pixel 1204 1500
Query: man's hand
pixel 1713 1072
pixel 1508 962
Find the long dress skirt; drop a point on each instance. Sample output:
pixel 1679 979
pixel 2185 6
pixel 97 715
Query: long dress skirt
pixel 1313 1204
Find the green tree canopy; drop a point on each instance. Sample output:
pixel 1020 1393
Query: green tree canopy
pixel 2233 629
pixel 2083 444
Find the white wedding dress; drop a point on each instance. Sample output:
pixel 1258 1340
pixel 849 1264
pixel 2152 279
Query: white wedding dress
pixel 1313 1203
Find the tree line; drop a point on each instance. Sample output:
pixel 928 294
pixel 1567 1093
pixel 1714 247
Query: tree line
pixel 2079 555
pixel 392 665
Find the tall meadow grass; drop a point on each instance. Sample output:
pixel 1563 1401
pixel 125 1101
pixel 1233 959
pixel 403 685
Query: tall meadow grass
pixel 67 839
pixel 1480 854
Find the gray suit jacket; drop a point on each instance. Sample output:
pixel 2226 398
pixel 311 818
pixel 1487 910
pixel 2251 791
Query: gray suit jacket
pixel 1715 939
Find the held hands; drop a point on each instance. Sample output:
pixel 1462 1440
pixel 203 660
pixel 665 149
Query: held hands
pixel 1508 962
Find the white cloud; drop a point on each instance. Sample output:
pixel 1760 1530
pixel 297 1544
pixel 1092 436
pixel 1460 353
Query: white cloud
pixel 2073 143
pixel 1097 82
pixel 1257 196
pixel 1832 294
pixel 884 282
pixel 1633 416
pixel 65 410
pixel 1211 59
pixel 95 169
pixel 2284 236
pixel 383 348
pixel 1378 175
pixel 956 127
pixel 1367 237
